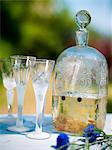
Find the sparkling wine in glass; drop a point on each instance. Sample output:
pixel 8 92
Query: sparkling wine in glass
pixel 40 73
pixel 21 67
pixel 9 83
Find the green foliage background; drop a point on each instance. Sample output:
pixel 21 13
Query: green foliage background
pixel 34 28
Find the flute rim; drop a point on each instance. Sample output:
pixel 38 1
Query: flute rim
pixel 22 57
pixel 43 60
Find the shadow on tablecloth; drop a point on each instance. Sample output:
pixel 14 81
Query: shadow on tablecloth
pixel 29 122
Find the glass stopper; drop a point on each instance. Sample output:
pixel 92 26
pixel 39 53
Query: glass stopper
pixel 83 18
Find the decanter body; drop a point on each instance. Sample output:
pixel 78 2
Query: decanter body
pixel 80 84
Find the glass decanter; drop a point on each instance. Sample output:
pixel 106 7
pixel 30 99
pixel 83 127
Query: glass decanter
pixel 80 84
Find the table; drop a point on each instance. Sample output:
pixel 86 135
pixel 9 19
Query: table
pixel 11 141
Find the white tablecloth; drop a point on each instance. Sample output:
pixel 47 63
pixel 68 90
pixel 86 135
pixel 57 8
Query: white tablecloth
pixel 21 142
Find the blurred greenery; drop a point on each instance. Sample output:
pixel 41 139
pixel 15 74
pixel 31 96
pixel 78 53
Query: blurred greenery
pixel 109 104
pixel 39 28
pixel 36 28
pixel 33 28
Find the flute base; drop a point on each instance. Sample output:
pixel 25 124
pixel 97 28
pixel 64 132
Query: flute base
pixel 18 129
pixel 38 136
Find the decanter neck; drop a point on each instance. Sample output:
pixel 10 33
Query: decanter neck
pixel 82 38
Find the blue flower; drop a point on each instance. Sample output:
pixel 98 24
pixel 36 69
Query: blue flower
pixel 62 140
pixel 90 128
pixel 90 133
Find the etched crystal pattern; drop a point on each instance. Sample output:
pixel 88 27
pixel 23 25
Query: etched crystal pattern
pixel 79 75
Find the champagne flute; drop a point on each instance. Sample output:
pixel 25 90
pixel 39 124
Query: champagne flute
pixel 21 67
pixel 40 73
pixel 9 84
